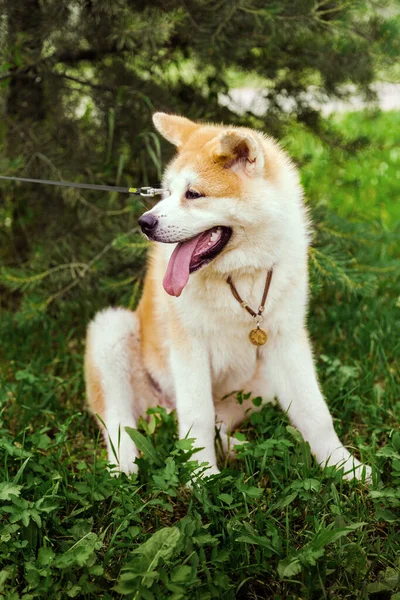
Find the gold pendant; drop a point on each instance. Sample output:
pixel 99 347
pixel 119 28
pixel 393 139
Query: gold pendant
pixel 258 336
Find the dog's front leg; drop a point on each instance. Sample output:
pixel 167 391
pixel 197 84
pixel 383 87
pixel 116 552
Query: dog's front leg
pixel 194 403
pixel 290 373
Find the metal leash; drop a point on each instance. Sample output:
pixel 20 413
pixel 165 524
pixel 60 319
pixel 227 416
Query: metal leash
pixel 146 192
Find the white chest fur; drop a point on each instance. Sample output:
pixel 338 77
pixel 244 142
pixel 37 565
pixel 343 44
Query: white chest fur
pixel 213 316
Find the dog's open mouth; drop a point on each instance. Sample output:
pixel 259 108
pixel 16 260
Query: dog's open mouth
pixel 191 255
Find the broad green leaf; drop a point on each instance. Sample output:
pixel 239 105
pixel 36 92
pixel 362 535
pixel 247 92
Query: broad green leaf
pixel 13 450
pixel 384 514
pixel 312 484
pixel 144 445
pixel 186 444
pixel 72 591
pixel 287 500
pixel 387 493
pixel 396 440
pixel 388 452
pixel 250 491
pixel 327 536
pixel 9 489
pixel 295 433
pixel 257 540
pixel 126 583
pixel 309 554
pixel 79 553
pixel 45 556
pixel 35 516
pixel 376 587
pixel 289 567
pixel 205 539
pixel 4 574
pixel 160 545
pixel 8 533
pixel 96 570
pixel 227 498
pixel 181 574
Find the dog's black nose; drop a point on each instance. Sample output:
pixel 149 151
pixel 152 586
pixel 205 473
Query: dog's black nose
pixel 148 223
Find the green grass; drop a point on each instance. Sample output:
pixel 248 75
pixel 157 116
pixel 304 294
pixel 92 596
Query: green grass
pixel 363 184
pixel 272 525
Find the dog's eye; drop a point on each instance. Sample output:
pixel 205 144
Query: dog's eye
pixel 192 195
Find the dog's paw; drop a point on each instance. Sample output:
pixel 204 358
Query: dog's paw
pixel 205 470
pixel 352 468
pixel 227 444
pixel 127 465
pixel 206 466
pixel 201 473
pixel 127 453
pixel 211 470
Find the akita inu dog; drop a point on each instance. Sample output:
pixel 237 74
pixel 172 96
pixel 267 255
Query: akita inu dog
pixel 224 301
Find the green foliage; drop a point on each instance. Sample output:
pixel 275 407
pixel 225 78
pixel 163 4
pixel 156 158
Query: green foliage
pixel 109 267
pixel 271 523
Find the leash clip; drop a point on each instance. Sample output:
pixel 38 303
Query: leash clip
pixel 150 192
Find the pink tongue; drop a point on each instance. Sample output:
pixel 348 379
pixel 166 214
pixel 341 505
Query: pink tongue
pixel 177 273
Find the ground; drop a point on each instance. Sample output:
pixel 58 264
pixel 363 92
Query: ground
pixel 272 525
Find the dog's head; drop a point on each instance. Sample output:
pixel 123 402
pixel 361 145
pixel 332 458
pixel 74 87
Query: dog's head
pixel 222 196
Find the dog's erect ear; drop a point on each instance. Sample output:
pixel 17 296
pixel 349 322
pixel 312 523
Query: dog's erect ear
pixel 240 149
pixel 175 129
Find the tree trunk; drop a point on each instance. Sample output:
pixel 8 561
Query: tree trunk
pixel 25 102
pixel 25 107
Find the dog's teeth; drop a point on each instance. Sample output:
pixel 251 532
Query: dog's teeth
pixel 214 236
pixel 209 243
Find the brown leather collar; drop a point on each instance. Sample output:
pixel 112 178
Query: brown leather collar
pixel 237 297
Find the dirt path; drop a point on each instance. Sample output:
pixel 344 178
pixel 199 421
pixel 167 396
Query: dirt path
pixel 241 100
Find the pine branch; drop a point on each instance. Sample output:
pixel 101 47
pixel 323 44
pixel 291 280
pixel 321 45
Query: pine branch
pixel 84 82
pixel 85 271
pixel 17 280
pixel 337 270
